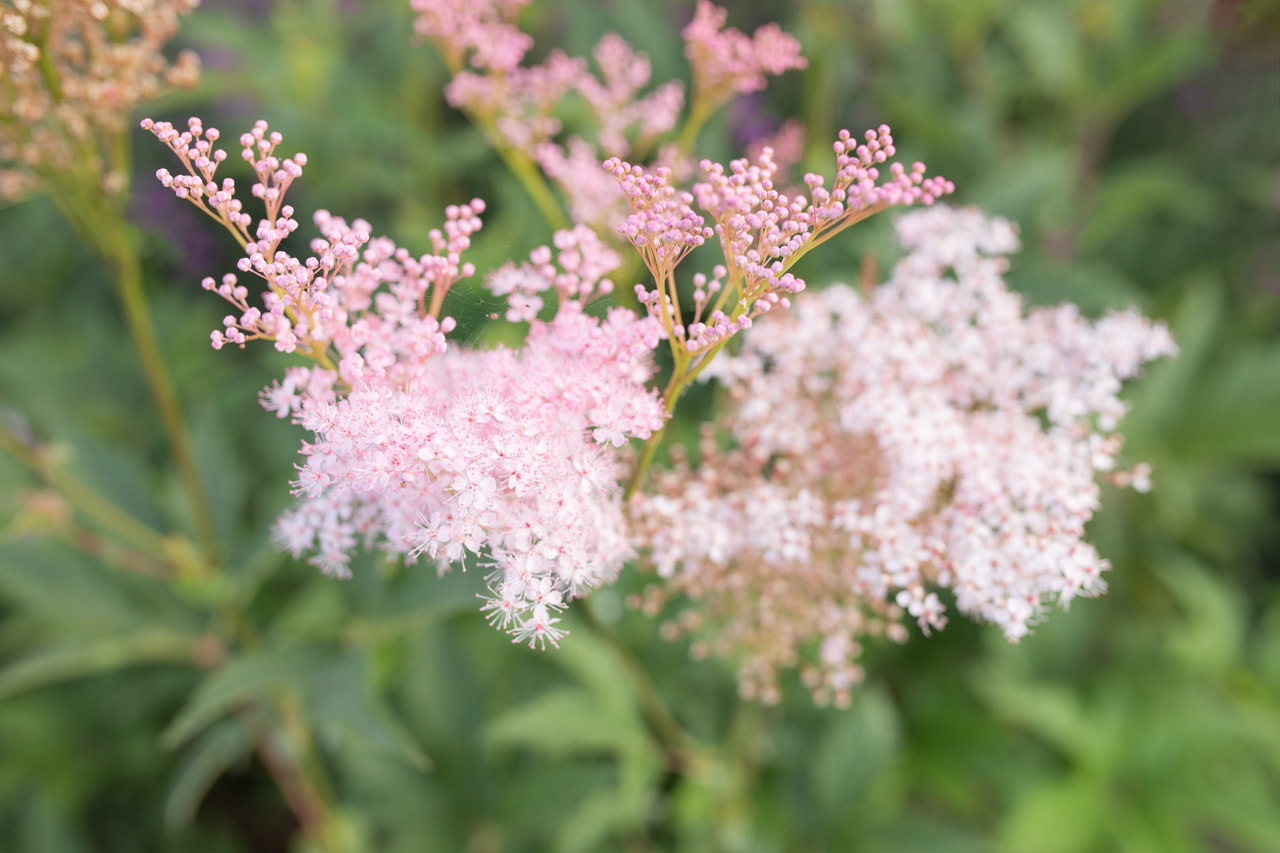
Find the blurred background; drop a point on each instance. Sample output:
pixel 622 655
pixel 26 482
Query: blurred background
pixel 1137 144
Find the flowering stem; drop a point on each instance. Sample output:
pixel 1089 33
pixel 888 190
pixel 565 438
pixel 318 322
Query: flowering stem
pixel 825 233
pixel 686 370
pixel 676 384
pixel 682 375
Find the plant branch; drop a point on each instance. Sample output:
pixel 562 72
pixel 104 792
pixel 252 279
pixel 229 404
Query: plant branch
pixel 124 260
pixel 86 500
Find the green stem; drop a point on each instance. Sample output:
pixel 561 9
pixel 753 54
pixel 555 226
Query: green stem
pixel 698 115
pixel 530 176
pixel 133 299
pixel 679 379
pixel 642 464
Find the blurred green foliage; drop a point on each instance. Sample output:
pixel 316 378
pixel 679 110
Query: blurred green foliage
pixel 1138 144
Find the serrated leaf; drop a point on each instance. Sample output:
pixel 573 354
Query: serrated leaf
pixel 600 669
pixel 594 819
pixel 1212 638
pixel 1237 411
pixel 1052 713
pixel 1160 399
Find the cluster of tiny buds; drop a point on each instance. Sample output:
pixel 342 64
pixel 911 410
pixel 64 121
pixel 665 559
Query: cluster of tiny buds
pixel 762 230
pixel 194 148
pixel 857 174
pixel 461 221
pixel 662 225
pixel 703 336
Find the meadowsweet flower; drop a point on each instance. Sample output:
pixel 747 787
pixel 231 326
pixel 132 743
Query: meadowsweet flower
pixel 517 105
pixel 616 102
pixel 763 231
pixel 328 300
pixel 727 61
pixel 662 227
pixel 72 72
pixel 423 448
pixel 481 33
pixel 933 436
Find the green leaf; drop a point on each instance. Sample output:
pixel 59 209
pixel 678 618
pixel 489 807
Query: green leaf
pixel 78 597
pixel 1237 409
pixel 238 682
pixel 1155 66
pixel 1213 634
pixel 561 721
pixel 1059 817
pixel 1051 712
pixel 1145 190
pixel 318 611
pixel 1049 45
pixel 593 820
pixel 214 751
pixel 854 752
pixel 418 600
pixel 1160 400
pixel 91 657
pixel 340 701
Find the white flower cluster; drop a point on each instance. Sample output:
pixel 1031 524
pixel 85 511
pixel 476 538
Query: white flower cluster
pixel 934 435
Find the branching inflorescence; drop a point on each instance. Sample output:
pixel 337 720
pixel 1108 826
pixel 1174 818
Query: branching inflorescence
pixel 933 435
pixel 875 451
pixel 70 72
pixel 424 448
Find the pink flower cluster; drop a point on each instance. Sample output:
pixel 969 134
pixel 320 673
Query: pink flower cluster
pixel 72 72
pixel 584 264
pixel 762 230
pixel 662 226
pixel 517 105
pixel 481 32
pixel 422 447
pixel 935 435
pixel 312 304
pixel 728 61
pixel 499 453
